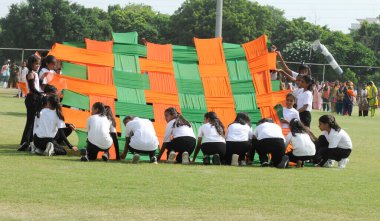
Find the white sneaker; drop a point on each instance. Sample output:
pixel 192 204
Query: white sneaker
pixel 154 160
pixel 171 157
pixel 329 164
pixel 343 162
pixel 235 160
pixel 49 151
pixel 185 158
pixel 243 163
pixel 136 158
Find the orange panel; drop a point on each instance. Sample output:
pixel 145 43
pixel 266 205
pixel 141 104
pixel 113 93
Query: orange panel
pixel 76 117
pixel 161 98
pixel 104 46
pixel 99 74
pixel 148 65
pixel 162 82
pixel 159 52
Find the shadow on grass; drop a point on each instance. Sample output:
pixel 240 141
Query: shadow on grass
pixel 14 114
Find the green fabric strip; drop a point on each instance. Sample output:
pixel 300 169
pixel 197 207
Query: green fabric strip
pixel 130 95
pixel 139 110
pixel 82 138
pixel 76 100
pixel 238 69
pixel 127 63
pixel 184 53
pixel 276 85
pixel 139 50
pixel 74 70
pixel 125 38
pixel 245 101
pixel 192 101
pixel 131 80
pixel 77 44
pixel 241 87
pixel 186 70
pixel 190 86
pixel 193 115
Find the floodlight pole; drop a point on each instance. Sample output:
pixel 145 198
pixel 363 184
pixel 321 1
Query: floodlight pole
pixel 219 18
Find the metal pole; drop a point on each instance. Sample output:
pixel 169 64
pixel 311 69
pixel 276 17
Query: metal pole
pixel 22 55
pixel 324 69
pixel 219 18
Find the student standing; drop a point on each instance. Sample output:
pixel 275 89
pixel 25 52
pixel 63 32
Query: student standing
pixel 289 112
pixel 140 138
pixel 363 102
pixel 238 140
pixel 48 66
pixel 305 100
pixel 372 97
pixel 179 137
pixel 211 140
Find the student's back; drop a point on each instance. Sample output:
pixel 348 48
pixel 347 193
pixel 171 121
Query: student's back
pixel 46 126
pixel 98 129
pixel 143 134
pixel 209 134
pixel 302 145
pixel 238 132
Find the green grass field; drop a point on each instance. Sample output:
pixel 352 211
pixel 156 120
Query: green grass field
pixel 63 188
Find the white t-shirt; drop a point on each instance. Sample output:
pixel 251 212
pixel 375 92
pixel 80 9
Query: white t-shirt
pixel 45 79
pixel 142 134
pixel 239 133
pixel 98 131
pixel 23 72
pixel 301 143
pixel 268 130
pixel 182 131
pixel 47 125
pixel 338 139
pixel 36 82
pixel 289 114
pixel 295 74
pixel 297 92
pixel 209 134
pixel 306 97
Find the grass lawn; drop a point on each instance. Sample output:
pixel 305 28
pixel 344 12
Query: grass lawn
pixel 63 188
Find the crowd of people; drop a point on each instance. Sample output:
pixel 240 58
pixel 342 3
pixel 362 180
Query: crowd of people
pixel 46 132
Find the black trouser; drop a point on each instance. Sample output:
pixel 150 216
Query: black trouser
pixel 67 131
pixel 151 153
pixel 212 148
pixel 239 148
pixel 326 104
pixel 31 103
pixel 295 159
pixel 40 143
pixel 339 107
pixel 347 108
pixel 305 118
pixel 93 150
pixel 273 146
pixel 363 113
pixel 181 145
pixel 325 153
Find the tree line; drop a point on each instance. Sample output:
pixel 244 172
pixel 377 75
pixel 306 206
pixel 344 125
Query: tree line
pixel 41 23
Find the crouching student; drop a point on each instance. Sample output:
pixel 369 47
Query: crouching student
pixel 268 139
pixel 99 130
pixel 179 137
pixel 334 144
pixel 140 139
pixel 303 147
pixel 289 112
pixel 211 140
pixel 46 126
pixel 238 138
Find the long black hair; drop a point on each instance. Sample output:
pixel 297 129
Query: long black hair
pixel 53 100
pixel 100 107
pixel 109 114
pixel 243 119
pixel 330 120
pixel 47 60
pixel 265 120
pixel 31 60
pixel 309 81
pixel 180 120
pixel 296 126
pixel 304 66
pixel 214 121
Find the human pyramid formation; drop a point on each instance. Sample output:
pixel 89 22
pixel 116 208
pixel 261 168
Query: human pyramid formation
pixel 45 131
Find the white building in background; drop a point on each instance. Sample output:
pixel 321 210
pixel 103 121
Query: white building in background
pixel 356 26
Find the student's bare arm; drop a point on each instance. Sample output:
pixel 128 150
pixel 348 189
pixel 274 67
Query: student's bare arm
pixel 125 152
pixel 162 150
pixel 197 149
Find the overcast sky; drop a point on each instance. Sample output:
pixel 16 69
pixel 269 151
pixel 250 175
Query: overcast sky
pixel 336 14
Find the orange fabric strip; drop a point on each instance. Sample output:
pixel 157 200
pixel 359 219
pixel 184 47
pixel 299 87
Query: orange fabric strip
pixel 148 65
pixel 104 46
pixel 99 74
pixel 163 82
pixel 161 98
pixel 76 117
pixel 23 88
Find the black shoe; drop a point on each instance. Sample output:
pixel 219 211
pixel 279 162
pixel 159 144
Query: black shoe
pixel 206 160
pixel 153 160
pixel 216 159
pixel 105 156
pixel 83 153
pixel 265 164
pixel 284 162
pixel 23 147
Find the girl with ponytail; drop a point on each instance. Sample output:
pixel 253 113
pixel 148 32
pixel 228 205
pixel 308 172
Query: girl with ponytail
pixel 305 100
pixel 179 137
pixel 48 65
pixel 211 140
pixel 46 126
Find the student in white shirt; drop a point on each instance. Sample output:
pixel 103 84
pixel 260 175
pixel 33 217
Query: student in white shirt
pixel 46 126
pixel 305 100
pixel 337 145
pixel 289 112
pixel 140 138
pixel 239 134
pixel 179 137
pixel 47 68
pixel 268 139
pixel 303 147
pixel 99 129
pixel 211 140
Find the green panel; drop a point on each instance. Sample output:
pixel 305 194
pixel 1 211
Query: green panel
pixel 245 101
pixel 233 51
pixel 77 44
pixel 238 69
pixel 276 85
pixel 76 100
pixel 193 115
pixel 184 53
pixel 131 80
pixel 139 110
pixel 74 70
pixel 242 87
pixel 127 63
pixel 189 86
pixel 125 38
pixel 192 101
pixel 82 138
pixel 186 70
pixel 130 95
pixel 139 50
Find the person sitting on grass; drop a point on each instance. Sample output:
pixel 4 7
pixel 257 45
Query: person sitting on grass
pixel 268 139
pixel 140 138
pixel 289 112
pixel 99 129
pixel 179 137
pixel 303 147
pixel 46 126
pixel 211 140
